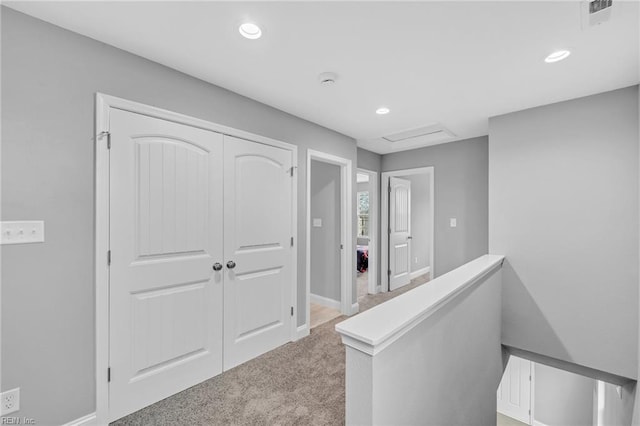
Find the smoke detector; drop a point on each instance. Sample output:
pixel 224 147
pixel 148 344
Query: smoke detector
pixel 327 78
pixel 595 12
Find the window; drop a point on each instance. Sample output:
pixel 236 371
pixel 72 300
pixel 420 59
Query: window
pixel 363 214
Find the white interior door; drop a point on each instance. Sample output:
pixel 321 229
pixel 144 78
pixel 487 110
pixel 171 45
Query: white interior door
pixel 257 238
pixel 514 392
pixel 400 232
pixel 165 325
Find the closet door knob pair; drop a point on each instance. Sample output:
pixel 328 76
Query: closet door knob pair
pixel 230 264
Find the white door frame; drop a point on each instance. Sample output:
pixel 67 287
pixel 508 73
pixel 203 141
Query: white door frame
pixel 374 194
pixel 346 227
pixel 103 105
pixel 384 208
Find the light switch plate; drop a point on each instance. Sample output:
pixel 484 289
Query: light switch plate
pixel 22 232
pixel 317 223
pixel 453 222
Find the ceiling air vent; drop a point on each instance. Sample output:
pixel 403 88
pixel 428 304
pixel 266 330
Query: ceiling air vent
pixel 595 12
pixel 431 134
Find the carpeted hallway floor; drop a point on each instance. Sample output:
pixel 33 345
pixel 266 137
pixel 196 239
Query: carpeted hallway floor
pixel 300 383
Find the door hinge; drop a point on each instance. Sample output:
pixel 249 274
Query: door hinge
pixel 389 272
pixel 291 241
pixel 389 188
pixel 109 374
pixel 109 258
pixel 291 170
pixel 108 135
pixel 292 311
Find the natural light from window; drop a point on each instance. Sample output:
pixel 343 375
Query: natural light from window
pixel 363 214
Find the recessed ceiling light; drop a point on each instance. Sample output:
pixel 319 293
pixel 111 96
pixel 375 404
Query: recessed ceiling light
pixel 557 56
pixel 383 111
pixel 250 30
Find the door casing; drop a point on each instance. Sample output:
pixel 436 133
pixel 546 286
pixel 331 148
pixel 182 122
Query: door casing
pixel 384 208
pixel 103 104
pixel 347 218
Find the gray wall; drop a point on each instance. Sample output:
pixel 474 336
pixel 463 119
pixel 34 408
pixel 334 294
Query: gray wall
pixel 460 178
pixel 420 221
pixel 563 398
pixel 49 80
pixel 564 210
pixel 325 240
pixel 369 160
pixel 618 407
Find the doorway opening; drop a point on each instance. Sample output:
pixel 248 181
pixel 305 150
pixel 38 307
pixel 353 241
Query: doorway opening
pixel 329 270
pixel 367 233
pixel 408 218
pixel 536 394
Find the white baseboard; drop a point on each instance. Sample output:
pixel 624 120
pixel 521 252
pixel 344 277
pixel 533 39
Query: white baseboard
pixel 302 331
pixel 88 420
pixel 416 274
pixel 355 308
pixel 325 301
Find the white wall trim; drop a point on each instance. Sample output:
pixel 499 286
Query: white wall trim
pixel 384 208
pixel 325 301
pixel 104 103
pixel 100 262
pixel 302 331
pixel 355 308
pixel 346 227
pixel 374 230
pixel 89 419
pixel 532 396
pixel 418 272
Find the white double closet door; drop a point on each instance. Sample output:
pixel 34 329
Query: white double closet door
pixel 186 204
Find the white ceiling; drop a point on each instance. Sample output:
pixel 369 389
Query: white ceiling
pixel 454 63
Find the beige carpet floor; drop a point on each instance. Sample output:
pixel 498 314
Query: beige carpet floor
pixel 300 383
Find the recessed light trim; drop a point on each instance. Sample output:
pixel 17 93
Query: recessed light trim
pixel 250 30
pixel 556 56
pixel 383 111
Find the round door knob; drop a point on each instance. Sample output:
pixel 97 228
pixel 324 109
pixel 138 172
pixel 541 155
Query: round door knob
pixel 231 264
pixel 217 266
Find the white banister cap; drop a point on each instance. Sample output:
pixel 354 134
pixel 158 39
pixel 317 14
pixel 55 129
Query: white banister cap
pixel 373 330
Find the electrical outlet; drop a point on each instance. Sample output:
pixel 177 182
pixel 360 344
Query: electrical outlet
pixel 9 401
